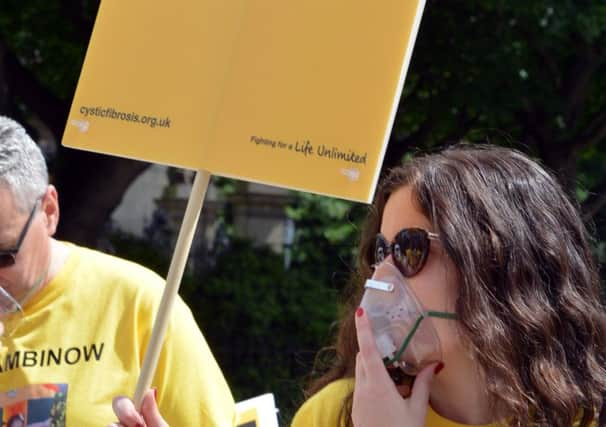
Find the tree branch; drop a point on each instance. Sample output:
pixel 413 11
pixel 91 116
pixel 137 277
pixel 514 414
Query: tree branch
pixel 576 84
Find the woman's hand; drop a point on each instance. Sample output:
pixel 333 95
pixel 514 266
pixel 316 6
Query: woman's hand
pixel 128 416
pixel 376 401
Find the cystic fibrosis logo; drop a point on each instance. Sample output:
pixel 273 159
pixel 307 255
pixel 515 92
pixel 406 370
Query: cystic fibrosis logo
pixel 82 125
pixel 351 174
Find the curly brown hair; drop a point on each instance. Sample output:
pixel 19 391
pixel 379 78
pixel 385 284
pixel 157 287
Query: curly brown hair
pixel 529 302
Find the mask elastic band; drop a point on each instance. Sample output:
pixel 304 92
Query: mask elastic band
pixel 438 314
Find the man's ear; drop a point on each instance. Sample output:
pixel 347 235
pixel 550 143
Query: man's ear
pixel 50 209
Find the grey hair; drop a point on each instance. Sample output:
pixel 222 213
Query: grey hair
pixel 22 165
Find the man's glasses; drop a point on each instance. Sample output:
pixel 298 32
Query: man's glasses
pixel 409 249
pixel 9 256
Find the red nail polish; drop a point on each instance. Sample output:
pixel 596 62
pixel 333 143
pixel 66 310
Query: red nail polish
pixel 439 367
pixel 359 312
pixel 138 425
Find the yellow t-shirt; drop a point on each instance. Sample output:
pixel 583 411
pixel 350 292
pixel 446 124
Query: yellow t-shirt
pixel 323 409
pixel 82 342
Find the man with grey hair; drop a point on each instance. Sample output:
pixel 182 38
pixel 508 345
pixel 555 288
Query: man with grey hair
pixel 74 322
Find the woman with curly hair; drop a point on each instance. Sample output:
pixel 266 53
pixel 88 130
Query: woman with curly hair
pixel 498 257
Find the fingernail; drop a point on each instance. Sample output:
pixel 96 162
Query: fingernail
pixel 138 425
pixel 359 312
pixel 155 389
pixel 439 367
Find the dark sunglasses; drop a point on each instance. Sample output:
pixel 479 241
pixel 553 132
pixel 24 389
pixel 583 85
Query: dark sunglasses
pixel 9 256
pixel 409 249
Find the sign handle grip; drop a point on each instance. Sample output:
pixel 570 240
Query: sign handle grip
pixel 173 281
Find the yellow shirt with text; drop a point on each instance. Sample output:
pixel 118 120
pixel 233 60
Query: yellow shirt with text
pixel 82 341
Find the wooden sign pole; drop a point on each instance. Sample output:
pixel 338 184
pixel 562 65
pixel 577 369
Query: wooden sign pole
pixel 173 281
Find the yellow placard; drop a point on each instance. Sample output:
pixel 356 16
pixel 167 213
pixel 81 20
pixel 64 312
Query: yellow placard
pixel 298 95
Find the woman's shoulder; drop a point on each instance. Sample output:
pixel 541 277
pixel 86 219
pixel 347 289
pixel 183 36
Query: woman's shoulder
pixel 324 407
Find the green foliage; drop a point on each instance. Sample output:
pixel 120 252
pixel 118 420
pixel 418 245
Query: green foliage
pixel 263 322
pixel 530 70
pixel 326 229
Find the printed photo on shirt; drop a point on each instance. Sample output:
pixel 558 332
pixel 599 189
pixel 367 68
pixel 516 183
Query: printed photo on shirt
pixel 37 405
